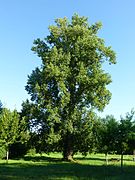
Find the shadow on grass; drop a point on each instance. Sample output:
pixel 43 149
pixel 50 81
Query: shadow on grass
pixel 63 170
pixel 90 158
pixel 52 159
pixel 41 159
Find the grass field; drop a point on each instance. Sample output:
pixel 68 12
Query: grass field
pixel 45 167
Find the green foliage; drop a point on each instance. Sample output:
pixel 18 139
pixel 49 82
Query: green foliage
pixel 126 133
pixel 12 128
pixel 2 152
pixel 109 134
pixel 70 84
pixel 9 122
pixel 31 152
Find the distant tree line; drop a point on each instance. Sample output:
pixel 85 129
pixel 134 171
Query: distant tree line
pixel 19 134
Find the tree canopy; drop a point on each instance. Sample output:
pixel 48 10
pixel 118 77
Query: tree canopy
pixel 70 83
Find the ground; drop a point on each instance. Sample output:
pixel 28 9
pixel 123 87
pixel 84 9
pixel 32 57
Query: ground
pixel 45 167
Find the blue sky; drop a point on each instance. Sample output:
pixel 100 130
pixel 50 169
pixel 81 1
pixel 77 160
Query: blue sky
pixel 23 21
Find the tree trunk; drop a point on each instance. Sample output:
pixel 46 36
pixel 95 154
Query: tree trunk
pixel 7 155
pixel 67 154
pixel 134 155
pixel 68 149
pixel 122 160
pixel 106 158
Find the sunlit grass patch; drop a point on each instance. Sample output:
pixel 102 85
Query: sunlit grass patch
pixel 51 166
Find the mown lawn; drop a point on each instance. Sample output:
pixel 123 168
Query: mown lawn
pixel 45 167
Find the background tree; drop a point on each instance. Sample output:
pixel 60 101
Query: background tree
pixel 12 129
pixel 71 82
pixel 126 133
pixel 108 135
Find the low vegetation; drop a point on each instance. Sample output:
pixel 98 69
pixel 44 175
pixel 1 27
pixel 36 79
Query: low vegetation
pixel 42 167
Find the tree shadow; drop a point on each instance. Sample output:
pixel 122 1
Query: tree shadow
pixel 63 170
pixel 89 158
pixel 41 159
pixel 52 159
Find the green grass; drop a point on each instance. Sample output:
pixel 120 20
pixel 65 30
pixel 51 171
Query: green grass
pixel 45 167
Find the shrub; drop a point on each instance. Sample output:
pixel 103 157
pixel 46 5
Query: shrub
pixel 31 152
pixel 2 152
pixel 17 150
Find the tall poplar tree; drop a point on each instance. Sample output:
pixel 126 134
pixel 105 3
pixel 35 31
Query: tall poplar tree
pixel 70 83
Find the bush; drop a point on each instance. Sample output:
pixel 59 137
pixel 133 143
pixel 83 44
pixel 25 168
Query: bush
pixel 31 152
pixel 17 150
pixel 2 152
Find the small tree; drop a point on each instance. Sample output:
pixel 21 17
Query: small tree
pixel 126 131
pixel 12 129
pixel 108 132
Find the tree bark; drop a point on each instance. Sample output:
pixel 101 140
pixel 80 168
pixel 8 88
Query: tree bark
pixel 68 155
pixel 122 160
pixel 7 156
pixel 106 158
pixel 134 155
pixel 68 149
